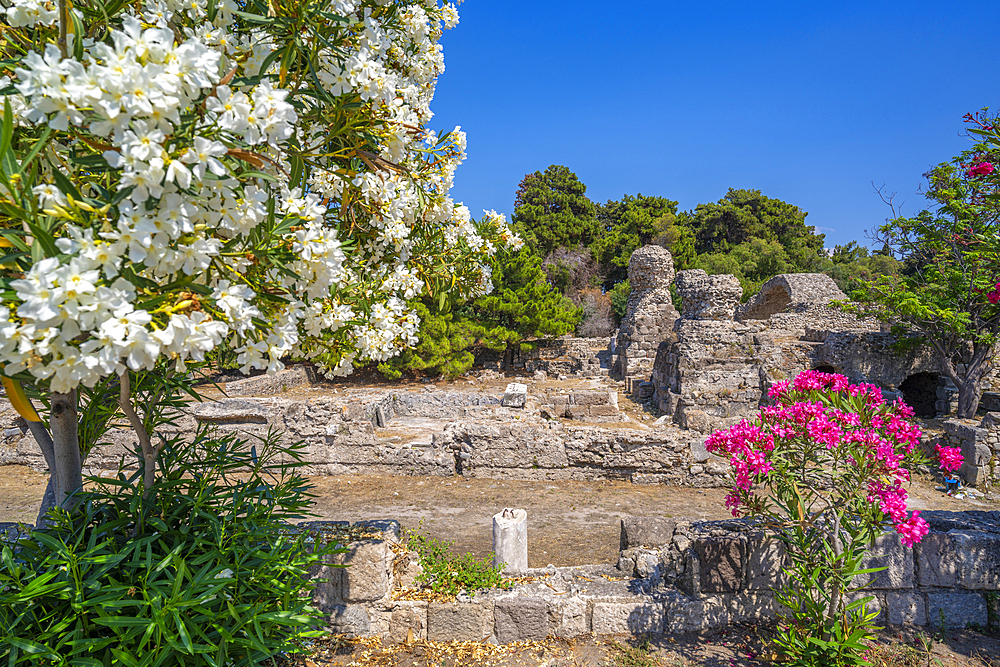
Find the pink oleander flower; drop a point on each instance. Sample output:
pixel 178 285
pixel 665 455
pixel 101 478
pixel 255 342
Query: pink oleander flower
pixel 981 169
pixel 778 389
pixel 994 296
pixel 950 458
pixel 913 529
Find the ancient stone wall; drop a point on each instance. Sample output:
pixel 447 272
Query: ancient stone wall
pixel 790 291
pixel 441 433
pixel 706 297
pixel 649 314
pixel 980 445
pixel 671 577
pixel 581 357
pixel 719 369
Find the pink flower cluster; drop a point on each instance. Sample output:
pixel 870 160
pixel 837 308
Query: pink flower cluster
pixel 994 296
pixel 981 169
pixel 824 409
pixel 950 458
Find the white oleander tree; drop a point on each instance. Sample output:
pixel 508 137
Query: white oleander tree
pixel 262 172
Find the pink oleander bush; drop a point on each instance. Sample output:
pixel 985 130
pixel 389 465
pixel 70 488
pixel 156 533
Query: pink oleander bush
pixel 826 468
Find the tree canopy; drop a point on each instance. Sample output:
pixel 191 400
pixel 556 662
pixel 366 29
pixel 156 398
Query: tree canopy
pixel 551 210
pixel 522 305
pixel 948 292
pixel 635 221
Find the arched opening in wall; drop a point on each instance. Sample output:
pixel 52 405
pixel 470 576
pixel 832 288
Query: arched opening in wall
pixel 825 368
pixel 920 393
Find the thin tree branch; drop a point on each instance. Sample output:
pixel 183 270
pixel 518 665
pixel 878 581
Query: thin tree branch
pixel 149 451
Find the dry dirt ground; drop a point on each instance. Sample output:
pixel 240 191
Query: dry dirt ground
pixel 569 523
pixel 735 646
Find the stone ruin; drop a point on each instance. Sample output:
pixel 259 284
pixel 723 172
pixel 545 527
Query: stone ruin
pixel 671 577
pixel 795 292
pixel 706 297
pixel 649 314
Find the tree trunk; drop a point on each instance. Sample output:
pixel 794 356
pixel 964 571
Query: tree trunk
pixel 48 502
pixel 968 399
pixel 44 441
pixel 67 464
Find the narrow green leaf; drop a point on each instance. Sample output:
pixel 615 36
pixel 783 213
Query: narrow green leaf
pixel 35 150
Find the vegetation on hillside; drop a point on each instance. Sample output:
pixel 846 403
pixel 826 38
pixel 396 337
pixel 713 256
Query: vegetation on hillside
pixel 572 275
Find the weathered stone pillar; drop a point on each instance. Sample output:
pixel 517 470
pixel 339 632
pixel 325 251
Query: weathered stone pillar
pixel 510 539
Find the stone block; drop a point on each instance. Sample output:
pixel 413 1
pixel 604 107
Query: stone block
pixel 515 396
pixel 699 453
pixel 406 616
pixel 269 385
pixel 978 556
pixel 683 614
pixel 750 607
pixel 889 552
pixel 351 620
pixel 720 563
pixel 765 564
pixel 646 531
pixel 388 527
pixel 937 561
pixel 590 398
pixel 231 411
pixel 355 412
pixel 694 419
pixel 569 618
pixel 366 576
pixel 624 617
pixel 454 621
pixel 603 411
pixel 328 587
pixel 521 619
pixel 956 610
pixel 906 608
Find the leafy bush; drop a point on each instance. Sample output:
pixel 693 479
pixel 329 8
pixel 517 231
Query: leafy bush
pixel 203 570
pixel 619 300
pixel 448 574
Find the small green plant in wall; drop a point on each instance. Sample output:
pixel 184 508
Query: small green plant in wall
pixel 448 574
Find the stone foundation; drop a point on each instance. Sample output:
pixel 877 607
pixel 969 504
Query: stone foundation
pixel 672 577
pixel 980 445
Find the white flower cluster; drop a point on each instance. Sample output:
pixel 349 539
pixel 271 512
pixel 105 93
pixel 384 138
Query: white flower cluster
pixel 196 195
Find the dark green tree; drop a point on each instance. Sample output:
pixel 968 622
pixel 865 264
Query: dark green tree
pixel 551 210
pixel 852 264
pixel 743 215
pixel 948 293
pixel 635 221
pixel 522 305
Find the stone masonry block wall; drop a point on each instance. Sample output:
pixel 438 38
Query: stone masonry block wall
pixel 790 290
pixel 948 577
pixel 586 357
pixel 672 577
pixel 649 314
pixel 556 436
pixel 980 445
pixel 708 297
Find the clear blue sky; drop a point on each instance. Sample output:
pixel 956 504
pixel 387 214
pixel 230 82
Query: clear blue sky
pixel 809 102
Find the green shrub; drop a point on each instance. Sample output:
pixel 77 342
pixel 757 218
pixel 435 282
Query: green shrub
pixel 202 571
pixel 450 575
